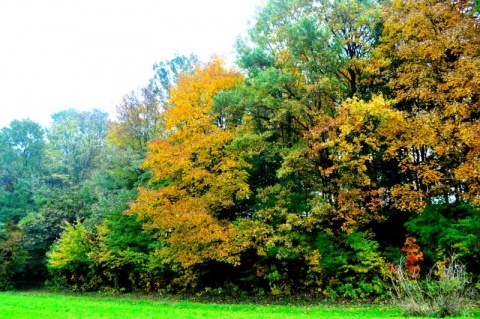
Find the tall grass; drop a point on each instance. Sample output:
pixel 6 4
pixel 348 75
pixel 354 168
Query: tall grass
pixel 444 292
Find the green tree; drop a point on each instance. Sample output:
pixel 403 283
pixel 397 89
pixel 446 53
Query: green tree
pixel 43 226
pixel 22 148
pixel 69 258
pixel 304 59
pixel 139 120
pixel 26 140
pixel 75 139
pixel 116 250
pixel 167 73
pixel 443 229
pixel 75 145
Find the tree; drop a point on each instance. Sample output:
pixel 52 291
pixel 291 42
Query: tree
pixel 304 60
pixel 139 120
pixel 75 139
pixel 43 226
pixel 69 257
pixel 429 60
pixel 359 140
pixel 139 115
pixel 12 255
pixel 167 74
pixel 26 139
pixel 75 142
pixel 22 151
pixel 197 174
pixel 318 51
pixel 112 249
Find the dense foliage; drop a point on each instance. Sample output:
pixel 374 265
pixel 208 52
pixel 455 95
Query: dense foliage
pixel 346 141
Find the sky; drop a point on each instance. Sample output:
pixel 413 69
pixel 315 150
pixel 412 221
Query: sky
pixel 85 54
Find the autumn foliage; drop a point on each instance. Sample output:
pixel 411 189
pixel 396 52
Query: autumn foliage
pixel 414 257
pixel 199 172
pixel 347 125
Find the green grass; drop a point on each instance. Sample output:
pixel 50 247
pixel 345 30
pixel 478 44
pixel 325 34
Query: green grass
pixel 23 305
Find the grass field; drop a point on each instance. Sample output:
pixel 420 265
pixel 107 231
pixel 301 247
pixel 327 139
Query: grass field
pixel 22 305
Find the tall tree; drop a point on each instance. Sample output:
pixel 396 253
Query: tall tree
pixel 304 59
pixel 197 174
pixel 430 62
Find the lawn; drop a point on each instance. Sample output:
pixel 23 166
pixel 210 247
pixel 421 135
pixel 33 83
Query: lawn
pixel 23 305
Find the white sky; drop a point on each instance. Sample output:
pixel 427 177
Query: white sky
pixel 56 54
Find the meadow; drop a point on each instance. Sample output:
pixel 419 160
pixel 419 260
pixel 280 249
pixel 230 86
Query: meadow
pixel 33 305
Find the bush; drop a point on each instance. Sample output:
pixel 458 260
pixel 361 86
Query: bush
pixel 13 257
pixel 444 292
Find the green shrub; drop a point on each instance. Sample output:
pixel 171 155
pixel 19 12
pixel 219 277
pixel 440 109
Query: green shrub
pixel 353 268
pixel 444 292
pixel 12 256
pixel 443 227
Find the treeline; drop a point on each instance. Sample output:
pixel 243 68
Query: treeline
pixel 345 142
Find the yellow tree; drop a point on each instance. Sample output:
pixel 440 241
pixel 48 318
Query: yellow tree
pixel 430 61
pixel 358 140
pixel 197 175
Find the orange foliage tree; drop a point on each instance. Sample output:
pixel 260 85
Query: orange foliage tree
pixel 429 61
pixel 197 174
pixel 357 141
